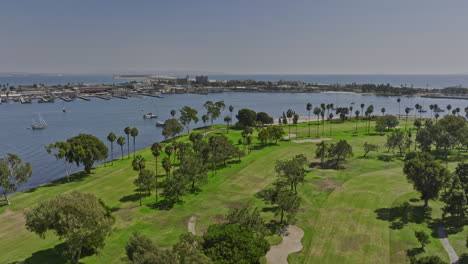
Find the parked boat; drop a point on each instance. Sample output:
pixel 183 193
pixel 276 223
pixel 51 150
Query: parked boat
pixel 422 111
pixel 64 110
pixel 39 124
pixel 149 116
pixel 438 110
pixel 159 124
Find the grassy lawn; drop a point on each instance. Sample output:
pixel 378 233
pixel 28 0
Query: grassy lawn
pixel 345 213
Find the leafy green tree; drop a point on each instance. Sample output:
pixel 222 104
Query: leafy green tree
pixel 86 149
pixel 176 187
pixel 173 113
pixel 138 163
pixel 193 168
pixel 171 128
pixel 111 138
pixel 247 216
pixel 427 260
pixel 141 250
pixel 233 244
pixel 275 133
pixel 340 151
pixel 187 115
pixel 455 199
pixel 205 119
pixel 214 109
pixel 144 181
pixel 400 140
pixel 156 150
pixel 407 111
pixel 246 117
pixel 292 170
pixel 121 142
pixel 284 200
pixel 189 250
pixel 422 238
pixel 427 176
pixel 80 219
pixel 128 131
pixel 321 152
pixel 380 124
pixel 61 151
pixel 134 134
pixel 368 147
pixel 13 174
pixel 309 108
pixel 264 118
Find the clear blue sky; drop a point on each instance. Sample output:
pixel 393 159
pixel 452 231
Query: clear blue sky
pixel 241 36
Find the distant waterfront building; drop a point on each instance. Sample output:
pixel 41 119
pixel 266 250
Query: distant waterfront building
pixel 202 79
pixel 183 81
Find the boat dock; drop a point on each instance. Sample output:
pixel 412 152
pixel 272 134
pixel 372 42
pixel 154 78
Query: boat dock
pixel 24 100
pixel 120 96
pixel 152 95
pixel 66 99
pixel 86 98
pixel 103 97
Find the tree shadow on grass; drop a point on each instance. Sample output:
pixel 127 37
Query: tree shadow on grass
pixel 53 255
pixel 134 197
pixel 163 204
pixel 403 214
pixel 414 252
pixel 452 225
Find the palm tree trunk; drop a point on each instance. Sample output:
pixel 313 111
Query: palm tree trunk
pixel 112 152
pixel 156 179
pixel 134 147
pixel 128 146
pixel 309 123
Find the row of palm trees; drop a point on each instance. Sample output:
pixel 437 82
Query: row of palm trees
pixel 121 141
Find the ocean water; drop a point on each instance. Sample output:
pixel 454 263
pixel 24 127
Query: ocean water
pixel 99 117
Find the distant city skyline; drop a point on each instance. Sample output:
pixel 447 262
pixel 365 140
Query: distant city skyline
pixel 235 37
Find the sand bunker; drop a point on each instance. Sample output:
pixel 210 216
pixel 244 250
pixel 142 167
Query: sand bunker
pixel 191 225
pixel 291 243
pixel 315 140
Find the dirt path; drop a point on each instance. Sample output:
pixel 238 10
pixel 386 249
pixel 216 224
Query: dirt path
pixel 289 136
pixel 450 251
pixel 291 243
pixel 315 140
pixel 191 225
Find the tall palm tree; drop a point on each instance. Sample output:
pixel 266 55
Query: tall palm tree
pixel 437 116
pixel 449 107
pixel 309 108
pixel 317 112
pixel 383 111
pixel 111 137
pixel 295 120
pixel 156 149
pixel 169 149
pixel 173 113
pixel 431 107
pixel 138 164
pixel 418 107
pixel 362 108
pixel 134 134
pixel 227 119
pixel 324 107
pixel 399 101
pixel 121 143
pixel 127 132
pixel 457 110
pixel 231 109
pixel 407 111
pixel 204 119
pixel 369 111
pixel 166 163
pixel 357 118
pixel 330 117
pixel 290 113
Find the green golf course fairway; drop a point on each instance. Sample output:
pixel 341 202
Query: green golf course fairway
pixel 345 213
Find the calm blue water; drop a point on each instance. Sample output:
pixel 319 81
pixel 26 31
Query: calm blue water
pixel 99 117
pixel 423 81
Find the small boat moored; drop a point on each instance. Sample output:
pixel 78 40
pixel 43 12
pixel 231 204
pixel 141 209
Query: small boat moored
pixel 159 124
pixel 40 124
pixel 149 116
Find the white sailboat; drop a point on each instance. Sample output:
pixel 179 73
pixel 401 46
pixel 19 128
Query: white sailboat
pixel 39 124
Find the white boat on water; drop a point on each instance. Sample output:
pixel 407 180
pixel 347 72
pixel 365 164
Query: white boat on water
pixel 149 116
pixel 159 124
pixel 39 124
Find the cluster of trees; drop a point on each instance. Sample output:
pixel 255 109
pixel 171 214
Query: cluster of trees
pixel 13 174
pixel 400 140
pixel 248 117
pixel 239 240
pixel 270 134
pixel 111 137
pixel 337 152
pixel 283 195
pixel 447 133
pixel 386 122
pixel 432 181
pixel 186 164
